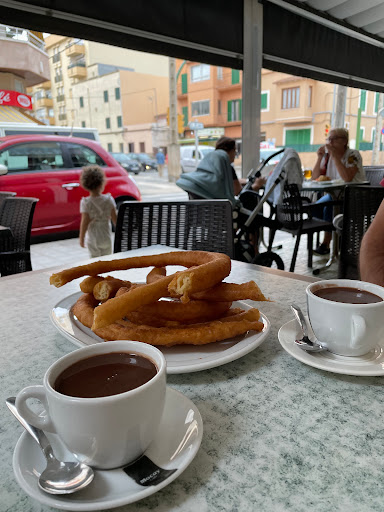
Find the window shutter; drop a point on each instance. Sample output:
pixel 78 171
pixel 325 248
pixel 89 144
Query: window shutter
pixel 235 76
pixel 185 116
pixel 229 110
pixel 240 110
pixel 363 98
pixel 264 101
pixel 184 83
pixel 376 102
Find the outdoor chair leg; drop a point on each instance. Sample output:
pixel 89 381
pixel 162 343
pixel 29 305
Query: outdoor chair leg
pixel 310 249
pixel 272 233
pixel 294 256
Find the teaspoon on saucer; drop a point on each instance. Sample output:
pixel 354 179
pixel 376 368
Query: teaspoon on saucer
pixel 305 343
pixel 58 477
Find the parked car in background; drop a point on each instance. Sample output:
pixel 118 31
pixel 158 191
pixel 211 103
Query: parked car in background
pixel 188 160
pixel 130 164
pixel 49 167
pixel 146 160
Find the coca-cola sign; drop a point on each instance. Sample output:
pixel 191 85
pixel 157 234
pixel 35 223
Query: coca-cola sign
pixel 15 99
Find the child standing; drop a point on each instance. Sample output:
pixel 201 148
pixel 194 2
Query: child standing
pixel 97 210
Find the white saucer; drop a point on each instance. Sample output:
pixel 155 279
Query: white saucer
pixel 174 447
pixel 180 358
pixel 370 364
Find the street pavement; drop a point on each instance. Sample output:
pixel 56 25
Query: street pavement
pixel 153 188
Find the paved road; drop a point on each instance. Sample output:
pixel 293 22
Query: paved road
pixel 152 187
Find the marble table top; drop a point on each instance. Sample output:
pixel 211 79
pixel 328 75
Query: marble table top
pixel 278 435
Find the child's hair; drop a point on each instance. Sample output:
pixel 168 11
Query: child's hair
pixel 92 177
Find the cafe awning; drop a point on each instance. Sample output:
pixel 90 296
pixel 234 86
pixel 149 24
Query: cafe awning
pixel 13 115
pixel 339 41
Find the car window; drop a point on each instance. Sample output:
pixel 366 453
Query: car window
pixel 82 155
pixel 33 156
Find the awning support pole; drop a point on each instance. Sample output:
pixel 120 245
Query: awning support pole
pixel 253 55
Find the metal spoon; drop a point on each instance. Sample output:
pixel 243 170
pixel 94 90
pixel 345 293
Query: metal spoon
pixel 58 477
pixel 305 343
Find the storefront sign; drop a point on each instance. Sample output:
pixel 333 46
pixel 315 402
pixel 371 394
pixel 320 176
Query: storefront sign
pixel 211 132
pixel 15 99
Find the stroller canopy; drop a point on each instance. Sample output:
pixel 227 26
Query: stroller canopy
pixel 213 178
pixel 288 170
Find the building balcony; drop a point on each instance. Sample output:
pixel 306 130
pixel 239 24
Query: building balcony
pixel 22 53
pixel 44 102
pixel 75 50
pixel 60 98
pixel 77 71
pixel 45 85
pixel 62 117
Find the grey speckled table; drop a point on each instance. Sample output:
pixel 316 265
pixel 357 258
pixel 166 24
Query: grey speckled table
pixel 278 435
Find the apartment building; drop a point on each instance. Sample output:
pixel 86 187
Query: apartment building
pixel 83 71
pixel 42 102
pixel 295 111
pixel 126 107
pixel 210 95
pixel 23 63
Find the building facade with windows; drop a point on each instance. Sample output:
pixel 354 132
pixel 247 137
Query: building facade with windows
pixel 125 107
pixel 23 64
pixel 295 111
pixel 43 102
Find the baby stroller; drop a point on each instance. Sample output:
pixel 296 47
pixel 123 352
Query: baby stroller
pixel 250 215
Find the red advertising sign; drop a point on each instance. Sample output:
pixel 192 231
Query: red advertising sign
pixel 15 99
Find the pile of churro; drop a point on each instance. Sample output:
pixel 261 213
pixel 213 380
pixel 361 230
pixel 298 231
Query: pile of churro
pixel 193 306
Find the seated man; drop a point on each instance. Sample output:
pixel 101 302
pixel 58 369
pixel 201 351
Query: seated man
pixel 372 250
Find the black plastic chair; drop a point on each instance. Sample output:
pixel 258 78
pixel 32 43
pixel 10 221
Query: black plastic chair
pixel 374 174
pixel 294 216
pixel 204 225
pixel 3 197
pixel 17 214
pixel 360 206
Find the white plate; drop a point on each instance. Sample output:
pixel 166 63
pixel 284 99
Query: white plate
pixel 321 183
pixel 180 358
pixel 176 444
pixel 371 364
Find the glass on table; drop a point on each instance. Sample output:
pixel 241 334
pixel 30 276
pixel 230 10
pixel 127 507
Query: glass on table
pixel 307 173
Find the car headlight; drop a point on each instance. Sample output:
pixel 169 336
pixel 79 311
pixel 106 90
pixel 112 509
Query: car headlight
pixel 147 167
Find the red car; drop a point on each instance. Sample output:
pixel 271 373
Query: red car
pixel 48 167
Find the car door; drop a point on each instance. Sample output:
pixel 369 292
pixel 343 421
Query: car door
pixel 77 156
pixel 37 169
pixel 189 160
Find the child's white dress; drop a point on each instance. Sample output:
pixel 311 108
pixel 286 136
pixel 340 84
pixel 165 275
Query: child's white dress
pixel 98 235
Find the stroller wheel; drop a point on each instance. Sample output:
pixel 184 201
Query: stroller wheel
pixel 267 259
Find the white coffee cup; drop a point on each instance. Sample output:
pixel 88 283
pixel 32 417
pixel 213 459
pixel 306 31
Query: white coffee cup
pixel 104 432
pixel 346 329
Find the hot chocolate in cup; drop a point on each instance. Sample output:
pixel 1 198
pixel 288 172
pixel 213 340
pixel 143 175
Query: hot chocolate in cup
pixel 346 315
pixel 104 401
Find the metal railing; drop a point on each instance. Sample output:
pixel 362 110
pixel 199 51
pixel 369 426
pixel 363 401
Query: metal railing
pixel 79 63
pixel 58 78
pixel 56 58
pixel 21 34
pixel 62 117
pixel 60 97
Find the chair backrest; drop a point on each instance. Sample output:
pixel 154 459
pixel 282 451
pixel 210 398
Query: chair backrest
pixel 204 225
pixel 374 174
pixel 360 206
pixel 3 196
pixel 290 211
pixel 17 213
